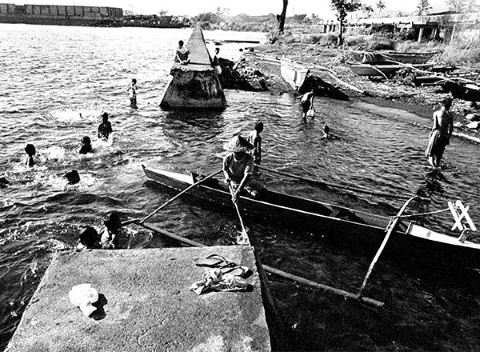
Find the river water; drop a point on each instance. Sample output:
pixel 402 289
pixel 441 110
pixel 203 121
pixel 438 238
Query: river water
pixel 56 82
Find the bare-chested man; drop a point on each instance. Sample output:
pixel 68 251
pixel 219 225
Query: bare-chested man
pixel 441 132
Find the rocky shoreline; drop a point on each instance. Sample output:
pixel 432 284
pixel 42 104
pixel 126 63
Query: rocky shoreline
pixel 259 70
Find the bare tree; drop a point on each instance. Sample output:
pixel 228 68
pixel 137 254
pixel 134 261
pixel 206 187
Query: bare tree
pixel 342 8
pixel 282 16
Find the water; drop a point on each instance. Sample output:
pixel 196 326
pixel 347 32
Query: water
pixel 56 81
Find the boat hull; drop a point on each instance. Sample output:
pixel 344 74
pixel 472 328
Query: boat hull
pixel 381 70
pixel 330 222
pixel 391 56
pixel 293 74
pixel 468 92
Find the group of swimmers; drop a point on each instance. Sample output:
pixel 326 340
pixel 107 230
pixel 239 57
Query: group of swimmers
pixel 104 132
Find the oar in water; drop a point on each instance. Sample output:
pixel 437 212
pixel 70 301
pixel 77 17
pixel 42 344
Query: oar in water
pixel 333 185
pixel 244 239
pixel 390 228
pixel 171 200
pixel 345 294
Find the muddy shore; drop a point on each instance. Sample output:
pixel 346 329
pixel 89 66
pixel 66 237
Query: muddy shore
pixel 259 70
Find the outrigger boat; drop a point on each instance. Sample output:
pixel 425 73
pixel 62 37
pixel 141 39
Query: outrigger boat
pixel 334 221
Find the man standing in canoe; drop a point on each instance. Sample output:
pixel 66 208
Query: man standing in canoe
pixel 238 168
pixel 441 132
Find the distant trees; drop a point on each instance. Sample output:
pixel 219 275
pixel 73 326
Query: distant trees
pixel 380 5
pixel 423 6
pixel 463 6
pixel 368 10
pixel 342 8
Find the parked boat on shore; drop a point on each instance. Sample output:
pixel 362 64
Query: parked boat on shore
pixel 339 223
pixel 464 90
pixel 293 73
pixel 385 57
pixel 382 70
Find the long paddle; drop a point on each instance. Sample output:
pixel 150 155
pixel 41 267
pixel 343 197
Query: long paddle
pixel 333 185
pixel 275 271
pixel 391 227
pixel 171 200
pixel 244 239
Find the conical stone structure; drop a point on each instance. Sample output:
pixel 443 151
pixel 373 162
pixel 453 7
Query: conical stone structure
pixel 196 84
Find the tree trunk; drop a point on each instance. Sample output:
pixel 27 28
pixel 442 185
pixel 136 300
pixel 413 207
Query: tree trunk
pixel 340 34
pixel 282 16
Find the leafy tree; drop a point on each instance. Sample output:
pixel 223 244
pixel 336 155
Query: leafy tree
pixel 423 6
pixel 463 6
pixel 368 10
pixel 282 16
pixel 380 5
pixel 342 8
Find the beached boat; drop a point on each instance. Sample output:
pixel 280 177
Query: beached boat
pixel 384 57
pixel 293 73
pixel 463 90
pixel 338 223
pixel 382 70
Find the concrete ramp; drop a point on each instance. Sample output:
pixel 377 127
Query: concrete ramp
pixel 196 84
pixel 145 305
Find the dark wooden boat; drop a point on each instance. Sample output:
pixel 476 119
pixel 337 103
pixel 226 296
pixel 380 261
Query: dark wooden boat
pixel 382 70
pixel 357 228
pixel 463 90
pixel 385 57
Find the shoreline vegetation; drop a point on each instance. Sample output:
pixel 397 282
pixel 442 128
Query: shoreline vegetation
pixel 259 69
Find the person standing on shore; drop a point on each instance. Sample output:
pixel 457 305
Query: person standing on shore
pixel 132 93
pixel 441 132
pixel 255 139
pixel 105 128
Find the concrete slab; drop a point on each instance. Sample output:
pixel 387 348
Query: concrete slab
pixel 199 54
pixel 146 305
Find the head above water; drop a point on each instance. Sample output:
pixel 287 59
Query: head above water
pixel 180 43
pixel 447 103
pixel 105 117
pixel 259 126
pixel 72 177
pixel 30 149
pixel 134 81
pixel 86 140
pixel 112 221
pixel 326 129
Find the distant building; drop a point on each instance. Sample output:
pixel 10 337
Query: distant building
pixel 60 15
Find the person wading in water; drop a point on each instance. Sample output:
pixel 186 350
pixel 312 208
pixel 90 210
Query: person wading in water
pixel 441 132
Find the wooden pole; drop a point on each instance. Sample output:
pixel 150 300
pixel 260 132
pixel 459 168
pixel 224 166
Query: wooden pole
pixel 178 195
pixel 274 271
pixel 245 239
pixel 390 228
pixel 323 183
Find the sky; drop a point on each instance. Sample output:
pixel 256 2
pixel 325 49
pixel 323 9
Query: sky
pixel 250 7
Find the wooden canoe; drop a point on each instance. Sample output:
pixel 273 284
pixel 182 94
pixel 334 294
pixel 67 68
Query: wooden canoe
pixel 382 70
pixel 294 74
pixel 376 57
pixel 463 90
pixel 354 227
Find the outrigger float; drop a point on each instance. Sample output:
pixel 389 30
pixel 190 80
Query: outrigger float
pixel 330 219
